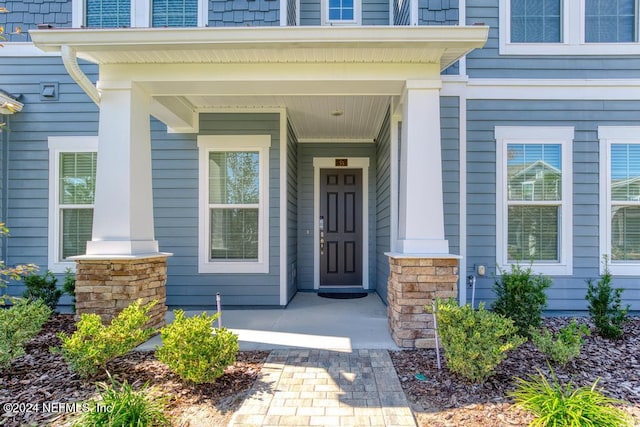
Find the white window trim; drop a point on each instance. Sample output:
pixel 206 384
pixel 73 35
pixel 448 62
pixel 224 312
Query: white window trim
pixel 58 145
pixel 140 13
pixel 573 35
pixel 609 135
pixel 562 135
pixel 207 144
pixel 357 14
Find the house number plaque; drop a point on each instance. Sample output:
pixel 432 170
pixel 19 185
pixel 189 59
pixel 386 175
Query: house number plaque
pixel 342 162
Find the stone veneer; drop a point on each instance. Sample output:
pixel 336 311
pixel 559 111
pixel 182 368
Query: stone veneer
pixel 105 287
pixel 413 284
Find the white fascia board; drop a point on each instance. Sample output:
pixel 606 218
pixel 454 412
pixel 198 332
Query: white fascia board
pixel 548 89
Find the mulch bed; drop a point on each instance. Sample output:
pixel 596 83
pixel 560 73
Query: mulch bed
pixel 444 399
pixel 42 377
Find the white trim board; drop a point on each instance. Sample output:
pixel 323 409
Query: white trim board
pixel 549 89
pixel 330 163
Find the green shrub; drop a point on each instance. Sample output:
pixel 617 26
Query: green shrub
pixel 566 406
pixel 605 305
pixel 474 342
pixel 18 324
pixel 44 288
pixel 562 347
pixel 69 287
pixel 94 344
pixel 520 296
pixel 122 406
pixel 194 350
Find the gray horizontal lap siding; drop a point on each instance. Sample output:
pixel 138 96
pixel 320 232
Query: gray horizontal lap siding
pixel 292 212
pixel 240 13
pixel 383 206
pixel 27 162
pixel 175 182
pixel 374 12
pixel 306 153
pixel 488 63
pixel 567 292
pixel 450 137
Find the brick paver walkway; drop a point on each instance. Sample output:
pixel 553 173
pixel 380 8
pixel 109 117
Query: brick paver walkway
pixel 326 388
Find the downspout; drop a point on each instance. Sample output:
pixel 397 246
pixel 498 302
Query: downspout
pixel 70 61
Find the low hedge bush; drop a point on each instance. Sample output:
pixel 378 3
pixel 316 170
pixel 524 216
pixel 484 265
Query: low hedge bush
pixel 18 324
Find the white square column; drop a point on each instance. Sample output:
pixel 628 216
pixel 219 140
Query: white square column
pixel 421 210
pixel 123 209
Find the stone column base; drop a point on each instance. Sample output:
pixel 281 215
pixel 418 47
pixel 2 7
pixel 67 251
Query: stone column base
pixel 106 286
pixel 414 282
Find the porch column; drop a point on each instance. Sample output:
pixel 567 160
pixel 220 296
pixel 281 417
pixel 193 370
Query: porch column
pixel 122 262
pixel 421 269
pixel 123 213
pixel 421 211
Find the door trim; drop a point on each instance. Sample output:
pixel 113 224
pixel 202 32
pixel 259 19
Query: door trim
pixel 330 163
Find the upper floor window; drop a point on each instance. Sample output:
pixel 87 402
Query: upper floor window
pixel 108 13
pixel 620 198
pixel 533 220
pixel 174 13
pixel 72 179
pixel 568 27
pixel 139 13
pixel 535 21
pixel 610 21
pixel 341 12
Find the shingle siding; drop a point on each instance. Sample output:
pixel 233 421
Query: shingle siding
pixel 240 13
pixel 27 14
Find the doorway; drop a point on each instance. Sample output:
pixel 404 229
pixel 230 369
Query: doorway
pixel 341 223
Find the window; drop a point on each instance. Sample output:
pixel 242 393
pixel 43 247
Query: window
pixel 610 21
pixel 339 12
pixel 72 177
pixel 108 13
pixel 535 21
pixel 533 193
pixel 139 13
pixel 568 27
pixel 620 198
pixel 174 13
pixel 234 204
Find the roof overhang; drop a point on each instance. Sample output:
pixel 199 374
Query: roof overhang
pixel 191 70
pixel 374 44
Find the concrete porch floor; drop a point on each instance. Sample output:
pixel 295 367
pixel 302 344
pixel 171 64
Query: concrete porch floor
pixel 310 322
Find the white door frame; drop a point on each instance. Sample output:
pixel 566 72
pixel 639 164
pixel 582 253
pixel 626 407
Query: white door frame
pixel 330 163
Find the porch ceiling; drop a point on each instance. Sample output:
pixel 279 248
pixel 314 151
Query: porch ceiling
pixel 311 71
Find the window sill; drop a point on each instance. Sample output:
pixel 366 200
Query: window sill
pixel 623 268
pixel 551 49
pixel 549 269
pixel 233 267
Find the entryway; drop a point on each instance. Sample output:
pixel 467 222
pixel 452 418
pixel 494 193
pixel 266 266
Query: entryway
pixel 341 237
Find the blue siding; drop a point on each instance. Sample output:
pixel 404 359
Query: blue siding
pixel 567 293
pixel 241 13
pixel 375 12
pixel 438 12
pixel 175 181
pixel 26 176
pixel 450 137
pixel 27 14
pixel 292 212
pixel 309 12
pixel 487 63
pixel 383 206
pixel 306 153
